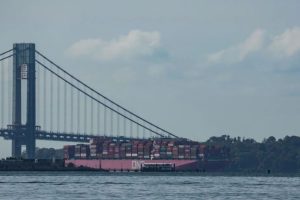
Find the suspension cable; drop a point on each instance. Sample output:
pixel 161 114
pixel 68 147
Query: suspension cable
pixel 38 79
pixel 3 92
pixel 6 57
pixel 98 118
pixel 65 107
pixel 1 54
pixel 135 115
pixel 71 109
pixel 137 131
pixel 51 102
pixel 85 113
pixel 104 122
pixel 78 110
pixel 111 123
pixel 144 131
pixel 124 125
pixel 58 104
pixel 92 116
pixel 106 106
pixel 45 101
pixel 118 123
pixel 9 90
pixel 130 129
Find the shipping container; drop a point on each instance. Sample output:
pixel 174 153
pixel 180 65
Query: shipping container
pixel 69 151
pixel 158 149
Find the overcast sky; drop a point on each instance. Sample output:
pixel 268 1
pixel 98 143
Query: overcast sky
pixel 196 68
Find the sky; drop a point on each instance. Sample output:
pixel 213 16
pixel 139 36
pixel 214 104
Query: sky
pixel 196 68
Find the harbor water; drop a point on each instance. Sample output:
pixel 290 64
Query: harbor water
pixel 93 185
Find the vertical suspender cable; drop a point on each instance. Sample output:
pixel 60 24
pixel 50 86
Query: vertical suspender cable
pixel 92 115
pixel 118 123
pixel 51 101
pixel 137 130
pixel 2 92
pixel 111 123
pixel 98 119
pixel 78 110
pixel 104 120
pixel 38 92
pixel 9 90
pixel 130 129
pixel 150 134
pixel 65 106
pixel 144 131
pixel 45 100
pixel 124 125
pixel 5 92
pixel 58 103
pixel 85 112
pixel 71 108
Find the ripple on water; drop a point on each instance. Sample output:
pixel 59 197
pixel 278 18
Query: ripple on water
pixel 132 186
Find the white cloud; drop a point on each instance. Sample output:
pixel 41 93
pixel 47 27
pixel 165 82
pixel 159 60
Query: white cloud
pixel 239 52
pixel 136 44
pixel 85 47
pixel 286 44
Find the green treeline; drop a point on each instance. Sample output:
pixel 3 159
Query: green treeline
pixel 247 155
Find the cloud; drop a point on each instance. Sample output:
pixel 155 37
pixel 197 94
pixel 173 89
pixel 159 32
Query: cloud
pixel 238 53
pixel 286 44
pixel 136 44
pixel 84 47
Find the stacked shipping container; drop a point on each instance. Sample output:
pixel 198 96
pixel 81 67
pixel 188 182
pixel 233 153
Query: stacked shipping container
pixel 69 151
pixel 167 149
pixel 81 151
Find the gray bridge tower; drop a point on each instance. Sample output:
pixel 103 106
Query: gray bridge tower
pixel 24 73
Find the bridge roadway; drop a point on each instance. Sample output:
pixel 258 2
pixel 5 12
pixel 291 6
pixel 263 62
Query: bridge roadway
pixel 9 134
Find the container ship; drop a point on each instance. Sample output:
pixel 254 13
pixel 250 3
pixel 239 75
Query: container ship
pixel 154 154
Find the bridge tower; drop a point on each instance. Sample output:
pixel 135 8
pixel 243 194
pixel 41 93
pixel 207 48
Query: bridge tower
pixel 24 73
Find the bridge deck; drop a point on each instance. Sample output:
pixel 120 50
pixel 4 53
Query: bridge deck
pixel 9 134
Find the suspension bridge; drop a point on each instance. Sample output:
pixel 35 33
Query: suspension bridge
pixel 40 100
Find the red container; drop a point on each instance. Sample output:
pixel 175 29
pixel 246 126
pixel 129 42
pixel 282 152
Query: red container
pixel 69 151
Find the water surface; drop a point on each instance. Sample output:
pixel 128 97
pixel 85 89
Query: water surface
pixel 91 185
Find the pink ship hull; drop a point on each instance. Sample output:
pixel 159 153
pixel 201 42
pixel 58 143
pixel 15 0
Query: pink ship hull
pixel 131 165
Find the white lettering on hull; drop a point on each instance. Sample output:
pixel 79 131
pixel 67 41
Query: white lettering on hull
pixel 136 164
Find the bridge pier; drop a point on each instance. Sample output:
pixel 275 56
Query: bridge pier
pixel 16 148
pixel 24 70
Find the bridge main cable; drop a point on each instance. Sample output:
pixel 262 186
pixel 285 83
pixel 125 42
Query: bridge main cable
pixel 5 52
pixel 84 92
pixel 6 57
pixel 118 105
